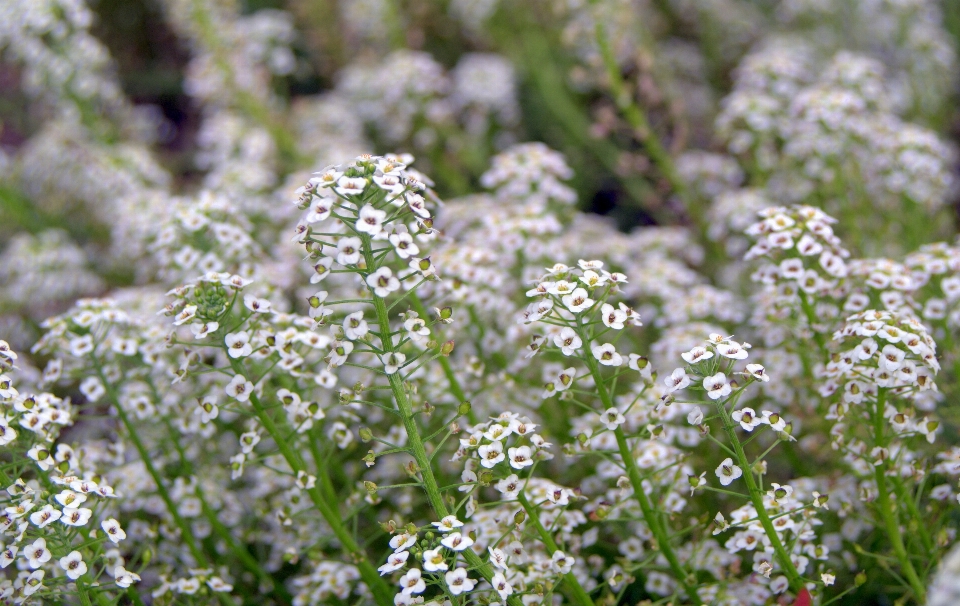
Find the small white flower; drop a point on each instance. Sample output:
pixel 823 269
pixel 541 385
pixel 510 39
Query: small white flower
pixel 456 541
pixel 448 524
pixel 697 354
pixel 458 582
pixel 348 250
pixel 44 516
pixel 567 341
pixel 76 516
pixel 113 530
pixel 561 562
pixel 502 587
pixel 256 304
pixel 677 380
pixel 747 418
pixel 393 362
pixel 612 317
pixel 238 344
pixel 239 388
pixel 383 282
pixel 188 313
pixel 509 486
pixel 577 301
pixel 37 553
pixel 412 582
pixel 732 350
pixel 827 578
pixel 354 326
pixel 491 454
pixel 434 561
pixel 370 220
pixel 395 561
pixel 520 457
pixel 74 565
pixel 33 583
pixel 612 418
pixel 695 417
pixel 758 372
pixel 403 244
pixel 124 578
pixel 727 472
pixel 607 355
pixel 717 386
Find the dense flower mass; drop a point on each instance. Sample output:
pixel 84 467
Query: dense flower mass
pixel 335 322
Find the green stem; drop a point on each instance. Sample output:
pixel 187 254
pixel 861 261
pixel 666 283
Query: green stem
pixel 186 533
pixel 890 521
pixel 414 439
pixel 381 592
pixel 455 387
pixel 654 521
pixel 756 497
pixel 580 594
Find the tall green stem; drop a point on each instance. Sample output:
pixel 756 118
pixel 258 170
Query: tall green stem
pixel 407 416
pixel 381 592
pixel 756 497
pixel 186 533
pixel 654 521
pixel 581 595
pixel 890 519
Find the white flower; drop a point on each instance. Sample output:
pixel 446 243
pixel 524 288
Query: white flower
pixel 567 341
pixel 732 350
pixel 433 560
pixel 188 313
pixel 612 418
pixel 412 582
pixel 76 516
pixel 757 372
pixel 382 282
pixel 238 344
pixel 239 388
pixel 47 515
pixel 354 326
pixel 677 380
pixel 456 541
pixel 348 250
pixel 827 578
pixel 612 317
pixel 520 457
pixel 775 421
pixel 577 301
pixel 509 486
pixel 491 454
pixel 256 304
pixel 607 355
pixel 502 587
pixel 113 530
pixel 393 362
pixel 395 561
pixel 562 563
pixel 448 524
pixel 124 578
pixel 33 583
pixel 891 358
pixel 74 565
pixel 370 220
pixel 69 498
pixel 497 557
pixel 747 418
pixel 200 331
pixel 8 555
pixel 350 186
pixel 728 472
pixel 403 541
pixel 457 581
pixel 717 386
pixel 403 243
pixel 37 553
pixel 697 354
pixel 695 417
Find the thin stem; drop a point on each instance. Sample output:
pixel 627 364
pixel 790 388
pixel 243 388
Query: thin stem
pixel 890 521
pixel 580 594
pixel 414 439
pixel 756 497
pixel 381 592
pixel 654 522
